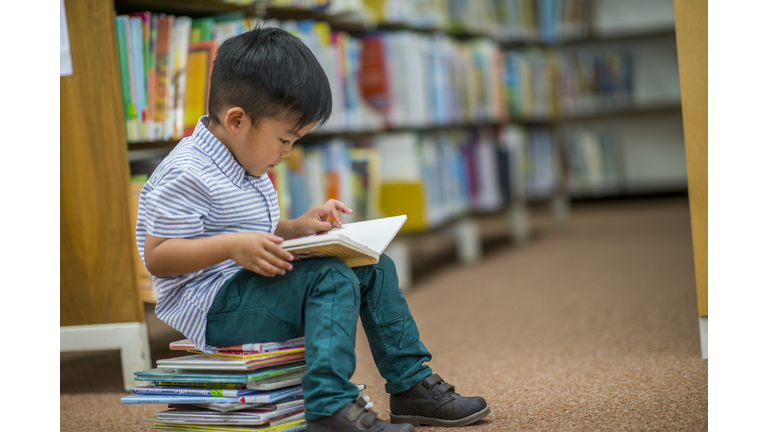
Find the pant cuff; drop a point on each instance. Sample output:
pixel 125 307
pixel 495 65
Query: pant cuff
pixel 399 386
pixel 329 411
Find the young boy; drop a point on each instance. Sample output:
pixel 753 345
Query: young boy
pixel 208 232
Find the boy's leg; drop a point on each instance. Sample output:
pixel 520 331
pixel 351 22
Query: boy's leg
pixel 319 298
pixel 416 395
pixel 391 330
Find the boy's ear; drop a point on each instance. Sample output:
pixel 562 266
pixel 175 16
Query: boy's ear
pixel 235 120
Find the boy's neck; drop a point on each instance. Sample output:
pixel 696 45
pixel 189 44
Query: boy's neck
pixel 219 131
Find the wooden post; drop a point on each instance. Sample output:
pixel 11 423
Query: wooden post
pixel 691 29
pixel 98 281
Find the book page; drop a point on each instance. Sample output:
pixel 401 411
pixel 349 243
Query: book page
pixel 374 234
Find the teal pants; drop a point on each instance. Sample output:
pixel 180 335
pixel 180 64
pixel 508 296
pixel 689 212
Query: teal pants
pixel 321 299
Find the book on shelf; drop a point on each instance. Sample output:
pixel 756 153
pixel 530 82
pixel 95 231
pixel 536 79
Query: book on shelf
pixel 355 243
pixel 256 397
pixel 199 66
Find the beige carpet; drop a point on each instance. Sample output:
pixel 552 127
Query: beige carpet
pixel 590 327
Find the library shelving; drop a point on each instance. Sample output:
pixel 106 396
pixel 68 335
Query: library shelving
pixel 540 111
pixel 98 250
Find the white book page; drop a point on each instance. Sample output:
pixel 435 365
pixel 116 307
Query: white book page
pixel 374 234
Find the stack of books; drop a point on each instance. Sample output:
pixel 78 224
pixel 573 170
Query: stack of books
pixel 250 387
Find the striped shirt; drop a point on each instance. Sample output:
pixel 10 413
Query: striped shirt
pixel 198 191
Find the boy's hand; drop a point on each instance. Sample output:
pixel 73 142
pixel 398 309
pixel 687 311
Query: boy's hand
pixel 316 218
pixel 260 253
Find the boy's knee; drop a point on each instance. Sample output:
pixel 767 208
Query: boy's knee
pixel 337 277
pixel 386 264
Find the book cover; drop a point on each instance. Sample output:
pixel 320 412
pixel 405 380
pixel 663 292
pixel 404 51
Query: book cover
pixel 252 354
pixel 192 391
pixel 243 417
pixel 199 66
pixel 204 362
pixel 171 375
pixel 186 344
pixel 281 381
pixel 355 243
pixel 292 426
pixel 297 400
pixel 259 397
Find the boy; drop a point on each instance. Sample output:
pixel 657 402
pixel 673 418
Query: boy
pixel 208 232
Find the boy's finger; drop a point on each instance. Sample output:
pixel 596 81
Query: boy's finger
pixel 343 207
pixel 336 215
pixel 276 261
pixel 280 252
pixel 267 266
pixel 275 239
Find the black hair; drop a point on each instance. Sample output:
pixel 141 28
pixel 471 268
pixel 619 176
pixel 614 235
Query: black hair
pixel 269 73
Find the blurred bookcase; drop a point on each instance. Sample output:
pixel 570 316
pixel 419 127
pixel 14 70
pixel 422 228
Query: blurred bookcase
pixel 450 111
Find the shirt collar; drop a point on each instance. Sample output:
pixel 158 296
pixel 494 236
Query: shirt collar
pixel 219 153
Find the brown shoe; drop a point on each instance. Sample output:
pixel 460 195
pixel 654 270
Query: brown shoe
pixel 355 417
pixel 434 402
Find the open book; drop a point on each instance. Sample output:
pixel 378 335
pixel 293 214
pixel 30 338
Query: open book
pixel 356 243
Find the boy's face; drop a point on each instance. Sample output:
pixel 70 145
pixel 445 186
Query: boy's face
pixel 261 147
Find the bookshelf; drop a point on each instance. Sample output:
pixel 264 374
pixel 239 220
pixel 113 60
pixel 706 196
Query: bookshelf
pixel 100 308
pixel 623 120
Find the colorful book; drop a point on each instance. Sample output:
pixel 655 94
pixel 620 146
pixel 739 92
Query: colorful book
pixel 258 397
pixel 129 112
pixel 209 417
pixel 187 345
pixel 206 362
pixel 296 425
pixel 281 381
pixel 174 125
pixel 163 74
pixel 192 391
pixel 171 375
pixel 293 401
pixel 199 66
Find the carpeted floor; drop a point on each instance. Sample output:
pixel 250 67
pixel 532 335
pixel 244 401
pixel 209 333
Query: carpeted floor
pixel 590 327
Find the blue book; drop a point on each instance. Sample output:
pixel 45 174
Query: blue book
pixel 160 374
pixel 256 397
pixel 174 391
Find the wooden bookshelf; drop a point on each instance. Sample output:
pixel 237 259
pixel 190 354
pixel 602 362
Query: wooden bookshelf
pixel 98 284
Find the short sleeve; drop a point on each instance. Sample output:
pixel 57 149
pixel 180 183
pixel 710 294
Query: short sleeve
pixel 177 206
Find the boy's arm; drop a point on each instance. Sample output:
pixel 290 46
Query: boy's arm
pixel 314 220
pixel 255 251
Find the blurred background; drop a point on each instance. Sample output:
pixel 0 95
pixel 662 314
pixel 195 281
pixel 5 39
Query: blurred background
pixel 536 146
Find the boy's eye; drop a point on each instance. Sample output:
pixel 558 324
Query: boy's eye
pixel 284 141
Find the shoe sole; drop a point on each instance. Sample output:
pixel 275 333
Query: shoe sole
pixel 429 421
